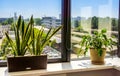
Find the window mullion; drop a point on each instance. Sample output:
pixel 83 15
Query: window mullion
pixel 66 31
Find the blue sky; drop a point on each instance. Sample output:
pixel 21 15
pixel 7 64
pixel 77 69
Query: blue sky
pixel 101 8
pixel 40 8
pixel 26 8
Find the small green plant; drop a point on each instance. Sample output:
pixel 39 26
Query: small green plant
pixel 41 38
pixel 22 37
pixel 98 41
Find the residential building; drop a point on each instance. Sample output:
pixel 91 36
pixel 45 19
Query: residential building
pixel 3 19
pixel 51 22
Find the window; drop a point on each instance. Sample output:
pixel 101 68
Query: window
pixel 90 15
pixel 81 13
pixel 45 12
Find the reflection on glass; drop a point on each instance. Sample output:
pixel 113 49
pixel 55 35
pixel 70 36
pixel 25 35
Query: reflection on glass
pixel 90 15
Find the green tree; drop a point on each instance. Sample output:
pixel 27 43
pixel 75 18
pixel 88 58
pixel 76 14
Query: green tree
pixel 8 21
pixel 114 24
pixel 4 23
pixel 79 29
pixel 77 23
pixel 94 22
pixel 37 21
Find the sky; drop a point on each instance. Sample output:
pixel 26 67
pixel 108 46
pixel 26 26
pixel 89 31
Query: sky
pixel 100 8
pixel 41 8
pixel 26 8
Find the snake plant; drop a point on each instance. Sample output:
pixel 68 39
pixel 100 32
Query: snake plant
pixel 22 37
pixel 28 38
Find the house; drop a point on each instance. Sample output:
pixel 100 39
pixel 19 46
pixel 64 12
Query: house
pixel 50 22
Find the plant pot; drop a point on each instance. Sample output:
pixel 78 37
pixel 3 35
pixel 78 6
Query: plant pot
pixel 95 58
pixel 26 63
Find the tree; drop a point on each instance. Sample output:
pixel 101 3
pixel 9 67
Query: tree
pixel 8 21
pixel 79 29
pixel 4 23
pixel 94 22
pixel 114 24
pixel 76 23
pixel 37 21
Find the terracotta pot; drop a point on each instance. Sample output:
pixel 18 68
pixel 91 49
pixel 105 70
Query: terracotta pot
pixel 95 58
pixel 26 63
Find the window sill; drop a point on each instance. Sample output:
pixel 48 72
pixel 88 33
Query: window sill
pixel 3 63
pixel 68 67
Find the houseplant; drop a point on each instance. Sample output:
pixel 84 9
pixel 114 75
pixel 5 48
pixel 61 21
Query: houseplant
pixel 97 43
pixel 28 41
pixel 19 45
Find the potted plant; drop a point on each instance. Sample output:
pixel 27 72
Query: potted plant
pixel 97 43
pixel 19 45
pixel 30 41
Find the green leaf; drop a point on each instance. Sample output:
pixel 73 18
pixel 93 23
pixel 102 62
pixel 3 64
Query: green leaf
pixel 19 22
pixel 98 40
pixel 22 37
pixel 23 29
pixel 11 44
pixel 103 31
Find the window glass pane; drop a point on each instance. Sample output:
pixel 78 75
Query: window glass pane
pixel 46 13
pixel 90 15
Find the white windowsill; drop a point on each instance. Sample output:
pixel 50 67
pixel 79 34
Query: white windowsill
pixel 68 67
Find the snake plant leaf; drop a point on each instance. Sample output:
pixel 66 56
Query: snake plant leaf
pixel 19 22
pixel 23 29
pixel 47 37
pixel 17 35
pixel 11 44
pixel 22 37
pixel 51 35
pixel 38 44
pixel 42 39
